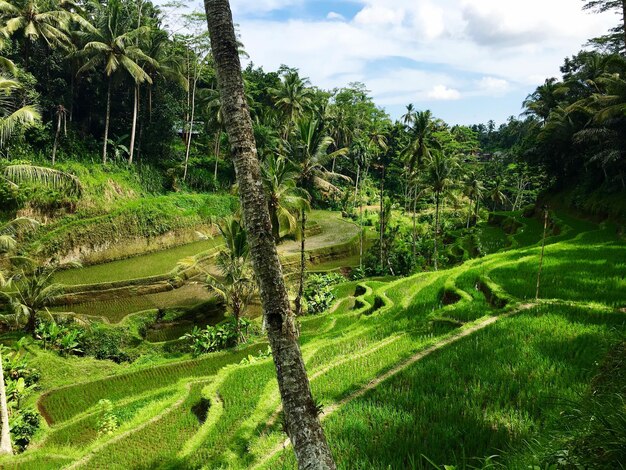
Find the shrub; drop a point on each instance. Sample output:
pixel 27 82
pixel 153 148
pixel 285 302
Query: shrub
pixel 107 343
pixel 215 338
pixel 318 292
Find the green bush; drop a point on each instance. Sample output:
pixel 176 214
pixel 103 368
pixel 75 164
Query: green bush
pixel 215 338
pixel 318 292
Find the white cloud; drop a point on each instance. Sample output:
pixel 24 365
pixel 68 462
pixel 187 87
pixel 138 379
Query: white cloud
pixel 443 93
pixel 244 7
pixel 485 47
pixel 332 15
pixel 493 86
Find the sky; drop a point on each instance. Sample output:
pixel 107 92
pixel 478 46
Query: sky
pixel 466 60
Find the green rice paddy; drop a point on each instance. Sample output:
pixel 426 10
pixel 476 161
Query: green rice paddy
pixel 489 393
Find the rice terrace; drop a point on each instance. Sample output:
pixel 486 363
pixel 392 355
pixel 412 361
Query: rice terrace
pixel 213 260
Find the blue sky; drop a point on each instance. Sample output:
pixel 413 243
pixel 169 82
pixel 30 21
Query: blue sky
pixel 467 60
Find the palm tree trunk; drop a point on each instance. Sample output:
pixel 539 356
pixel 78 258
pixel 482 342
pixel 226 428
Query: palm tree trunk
pixel 356 186
pixel 5 438
pixel 193 109
pixel 134 127
pixel 56 139
pixel 218 136
pixel 298 301
pixel 382 218
pixel 476 211
pixel 106 123
pixel 415 225
pixel 436 254
pixel 543 250
pixel 469 213
pixel 301 416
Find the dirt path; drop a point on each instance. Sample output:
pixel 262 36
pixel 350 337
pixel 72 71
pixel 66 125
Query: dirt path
pixel 335 231
pixel 401 367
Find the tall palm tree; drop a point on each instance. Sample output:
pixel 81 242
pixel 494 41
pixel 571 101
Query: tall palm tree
pixel 285 200
pixel 292 98
pixel 310 154
pixel 13 111
pixel 38 20
pixel 236 285
pixel 61 116
pixel 111 44
pixel 496 193
pixel 213 111
pixel 474 190
pixel 544 99
pixel 301 415
pixel 421 138
pixel 409 117
pixel 440 170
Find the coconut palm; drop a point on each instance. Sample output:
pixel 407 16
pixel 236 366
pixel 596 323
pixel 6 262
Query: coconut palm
pixel 111 45
pixel 474 190
pixel 284 199
pixel 13 113
pixel 37 20
pixel 6 447
pixel 292 98
pixel 421 138
pixel 32 291
pixel 61 116
pixel 409 117
pixel 496 193
pixel 440 170
pixel 236 284
pixel 310 154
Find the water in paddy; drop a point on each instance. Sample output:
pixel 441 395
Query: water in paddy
pixel 151 264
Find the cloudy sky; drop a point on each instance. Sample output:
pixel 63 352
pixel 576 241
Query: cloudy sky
pixel 467 60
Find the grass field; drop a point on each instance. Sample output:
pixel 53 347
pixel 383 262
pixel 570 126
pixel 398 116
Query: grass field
pixel 445 366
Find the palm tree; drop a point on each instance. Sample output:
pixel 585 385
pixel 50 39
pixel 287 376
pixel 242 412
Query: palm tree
pixel 33 291
pixel 496 193
pixel 310 154
pixel 409 117
pixel 439 175
pixel 300 412
pixel 212 106
pixel 474 191
pixel 61 115
pixel 544 99
pixel 285 200
pixel 37 20
pixel 111 45
pixel 13 113
pixel 421 137
pixel 292 98
pixel 237 284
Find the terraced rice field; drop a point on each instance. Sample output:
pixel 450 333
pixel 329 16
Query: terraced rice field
pixel 452 366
